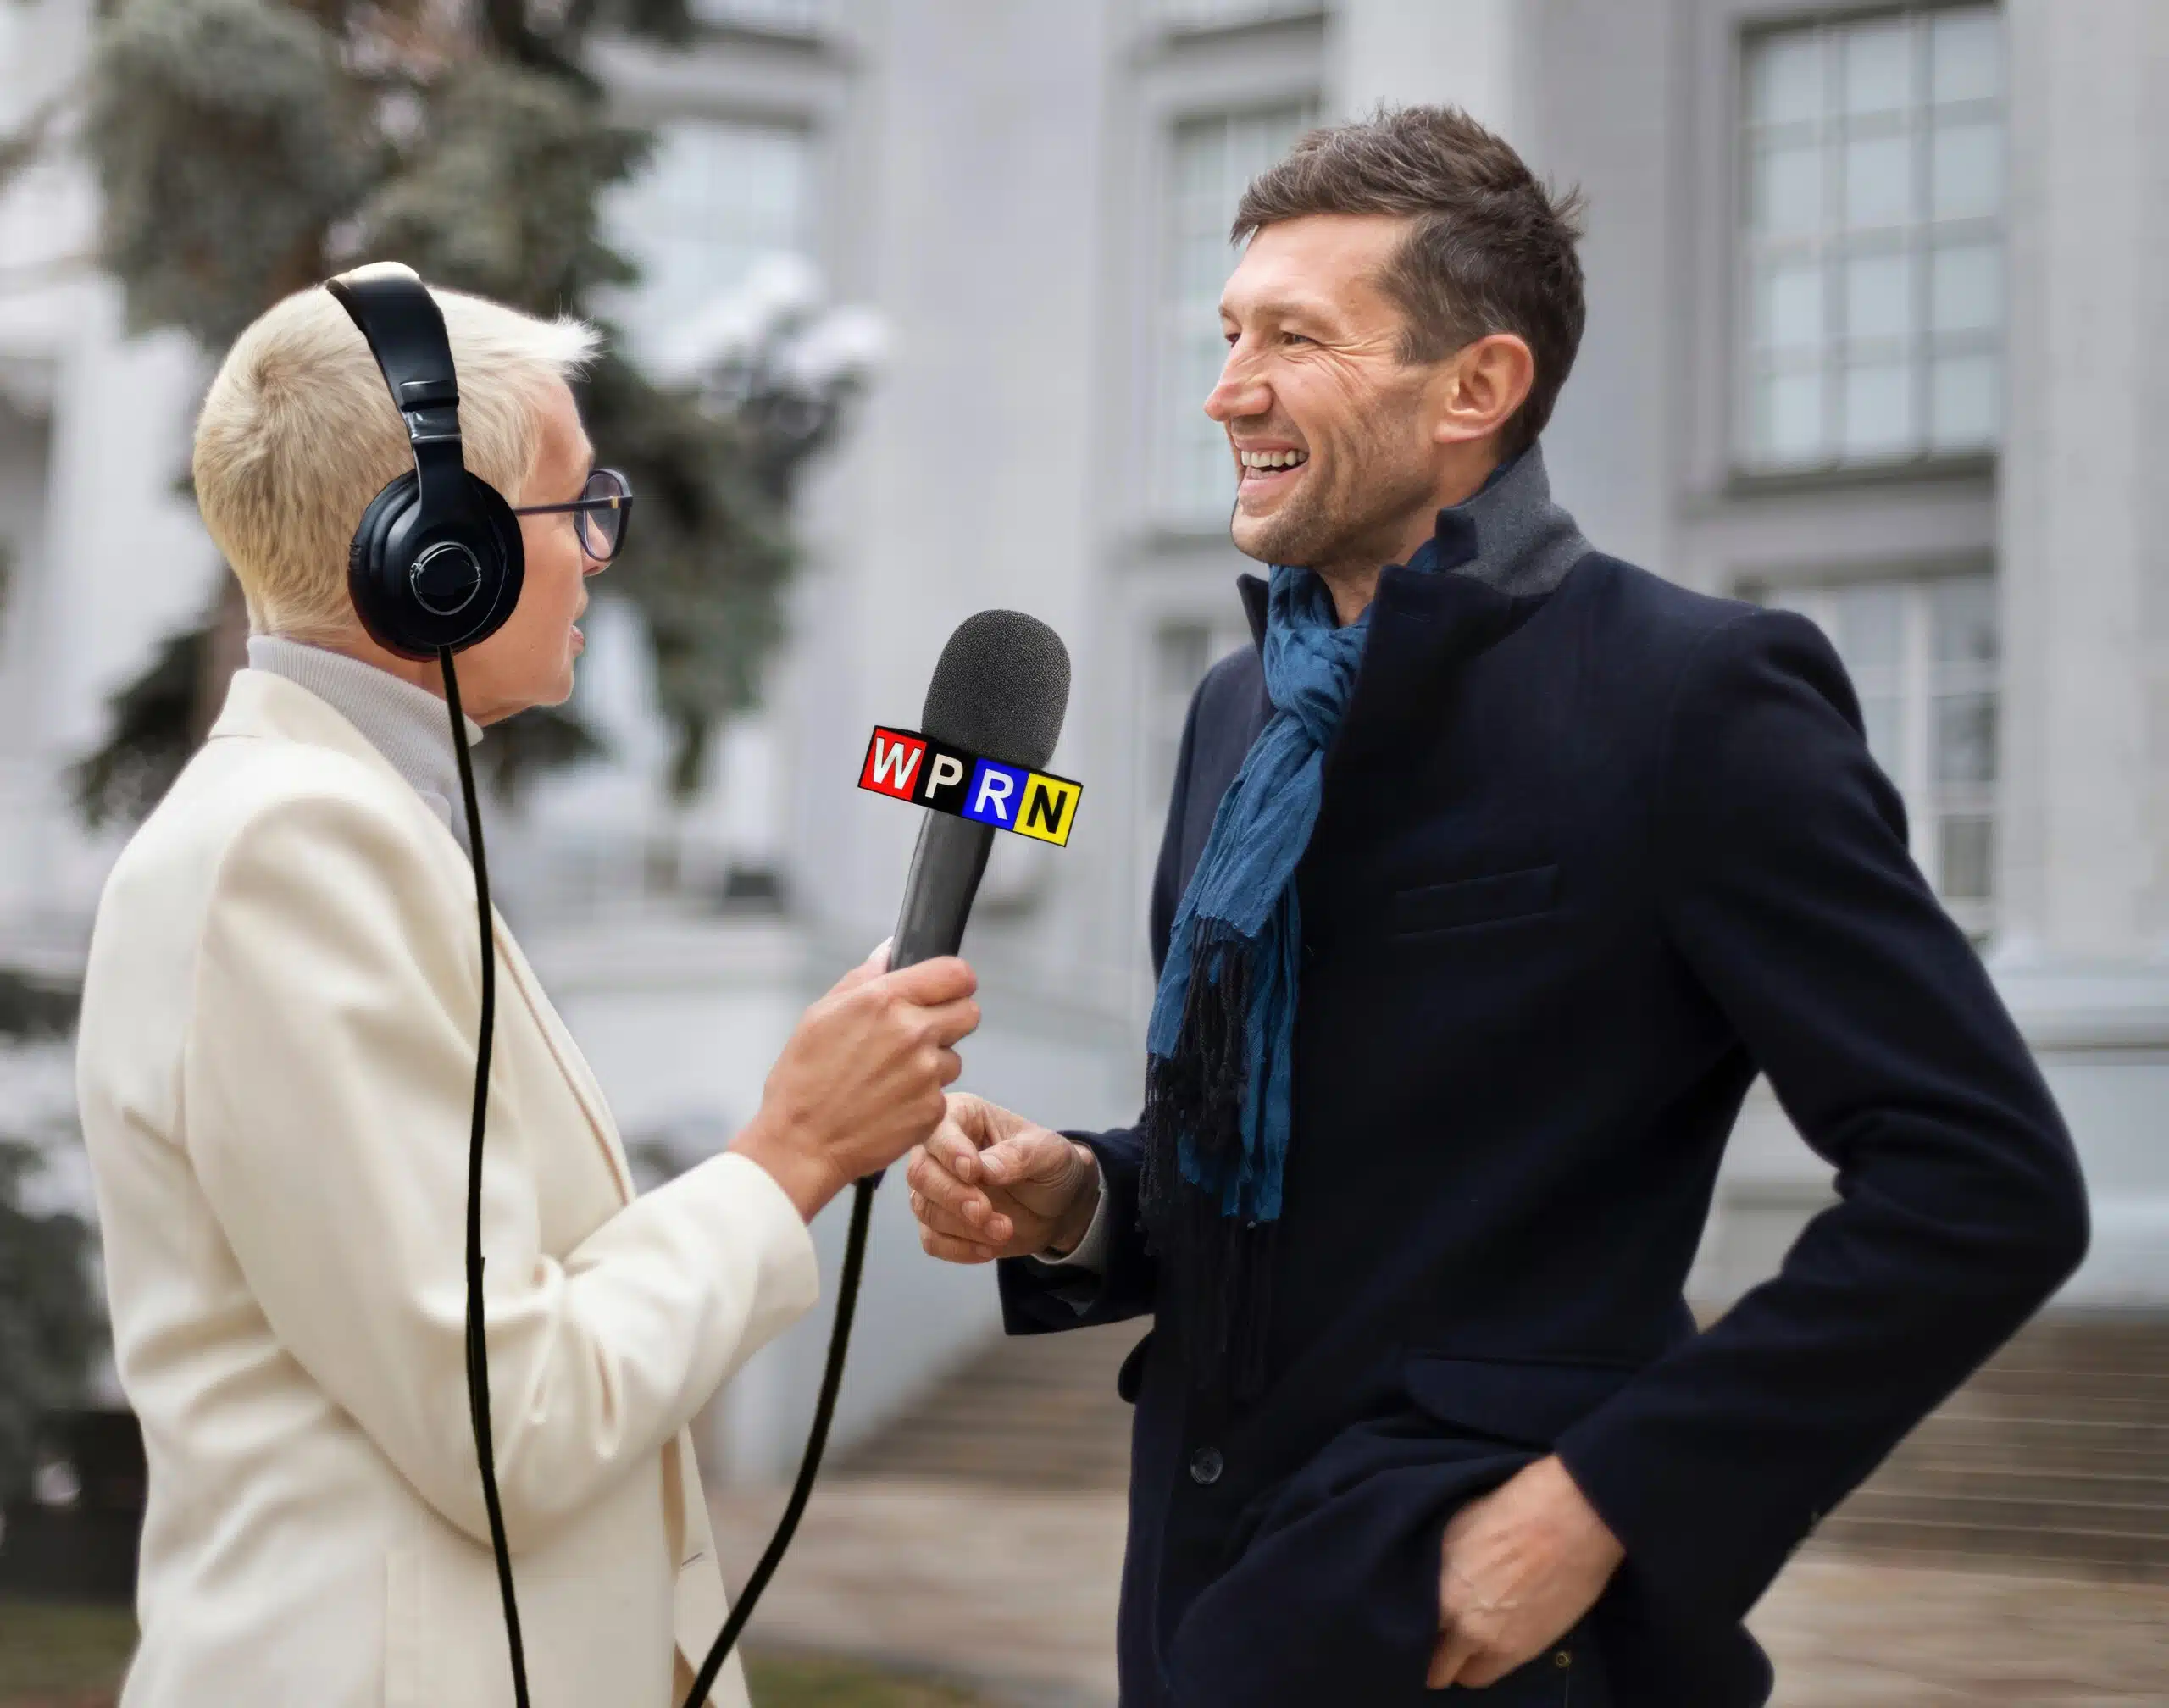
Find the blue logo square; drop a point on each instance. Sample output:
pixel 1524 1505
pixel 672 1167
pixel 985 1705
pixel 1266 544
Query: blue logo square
pixel 996 794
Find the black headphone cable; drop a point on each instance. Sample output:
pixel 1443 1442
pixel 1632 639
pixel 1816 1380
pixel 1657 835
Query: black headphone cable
pixel 477 1357
pixel 817 1442
pixel 478 1353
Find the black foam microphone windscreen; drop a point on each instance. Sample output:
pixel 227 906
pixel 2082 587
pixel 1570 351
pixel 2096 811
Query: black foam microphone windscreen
pixel 1001 690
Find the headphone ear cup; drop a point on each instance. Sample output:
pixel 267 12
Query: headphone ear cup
pixel 381 563
pixel 381 596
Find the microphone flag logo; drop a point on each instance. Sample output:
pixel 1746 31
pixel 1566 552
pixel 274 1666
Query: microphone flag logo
pixel 907 765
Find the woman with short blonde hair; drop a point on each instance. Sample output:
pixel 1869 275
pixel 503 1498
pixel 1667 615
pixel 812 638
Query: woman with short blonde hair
pixel 275 1066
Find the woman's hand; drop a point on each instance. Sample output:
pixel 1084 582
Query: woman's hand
pixel 861 1081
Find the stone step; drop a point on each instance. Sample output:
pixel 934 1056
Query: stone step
pixel 2074 1386
pixel 2138 1525
pixel 2056 1451
pixel 2138 1491
pixel 1949 1541
pixel 1957 1430
pixel 1037 1411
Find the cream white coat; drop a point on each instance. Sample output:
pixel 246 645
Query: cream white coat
pixel 275 1068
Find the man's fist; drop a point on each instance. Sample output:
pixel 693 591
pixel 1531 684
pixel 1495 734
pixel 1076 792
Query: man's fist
pixel 1516 1572
pixel 992 1185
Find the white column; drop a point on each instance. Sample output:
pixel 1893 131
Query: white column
pixel 1467 53
pixel 2085 552
pixel 2083 950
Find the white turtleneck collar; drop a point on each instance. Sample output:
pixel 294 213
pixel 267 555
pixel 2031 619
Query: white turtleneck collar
pixel 408 725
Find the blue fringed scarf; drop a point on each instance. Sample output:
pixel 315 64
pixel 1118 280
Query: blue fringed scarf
pixel 1222 1038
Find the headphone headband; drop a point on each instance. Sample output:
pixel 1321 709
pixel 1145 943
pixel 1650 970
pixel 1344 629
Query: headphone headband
pixel 405 331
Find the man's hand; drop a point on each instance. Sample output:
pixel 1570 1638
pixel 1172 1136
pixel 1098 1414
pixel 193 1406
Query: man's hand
pixel 992 1185
pixel 1517 1569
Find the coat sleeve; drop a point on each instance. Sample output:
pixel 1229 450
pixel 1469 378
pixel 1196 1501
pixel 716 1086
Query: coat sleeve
pixel 1038 1298
pixel 327 1081
pixel 1789 895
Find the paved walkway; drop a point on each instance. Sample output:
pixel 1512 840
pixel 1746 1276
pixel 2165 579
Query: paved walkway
pixel 1015 1592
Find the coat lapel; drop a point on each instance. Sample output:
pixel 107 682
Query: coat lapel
pixel 570 1063
pixel 263 705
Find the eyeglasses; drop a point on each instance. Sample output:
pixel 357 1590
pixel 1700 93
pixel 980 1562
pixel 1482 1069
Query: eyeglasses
pixel 602 513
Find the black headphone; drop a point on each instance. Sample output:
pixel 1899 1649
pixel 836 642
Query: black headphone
pixel 437 562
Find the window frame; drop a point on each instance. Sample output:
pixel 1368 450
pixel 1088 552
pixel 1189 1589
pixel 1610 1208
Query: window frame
pixel 1923 680
pixel 1746 26
pixel 1165 505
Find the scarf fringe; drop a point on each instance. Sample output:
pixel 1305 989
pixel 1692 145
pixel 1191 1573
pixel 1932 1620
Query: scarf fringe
pixel 1219 1261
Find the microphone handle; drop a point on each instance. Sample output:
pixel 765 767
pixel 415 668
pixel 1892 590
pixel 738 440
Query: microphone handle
pixel 945 875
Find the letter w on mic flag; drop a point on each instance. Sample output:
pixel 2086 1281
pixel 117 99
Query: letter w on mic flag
pixel 907 765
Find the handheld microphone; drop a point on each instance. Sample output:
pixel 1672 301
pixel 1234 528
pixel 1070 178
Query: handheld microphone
pixel 1001 689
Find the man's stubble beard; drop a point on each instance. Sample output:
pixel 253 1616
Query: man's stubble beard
pixel 1340 525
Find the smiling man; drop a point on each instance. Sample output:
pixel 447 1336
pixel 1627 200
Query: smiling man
pixel 1494 875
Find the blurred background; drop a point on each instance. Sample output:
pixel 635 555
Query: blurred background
pixel 911 306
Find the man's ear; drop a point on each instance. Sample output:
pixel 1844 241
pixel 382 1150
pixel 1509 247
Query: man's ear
pixel 1483 383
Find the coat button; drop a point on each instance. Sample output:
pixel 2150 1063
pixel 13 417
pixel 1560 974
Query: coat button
pixel 1206 1466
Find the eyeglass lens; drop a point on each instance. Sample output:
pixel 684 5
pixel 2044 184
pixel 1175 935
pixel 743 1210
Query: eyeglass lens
pixel 601 530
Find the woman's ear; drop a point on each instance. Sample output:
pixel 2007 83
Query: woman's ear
pixel 1485 382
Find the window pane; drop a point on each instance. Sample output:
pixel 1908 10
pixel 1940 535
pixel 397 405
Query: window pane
pixel 1785 79
pixel 1200 14
pixel 1967 170
pixel 1864 140
pixel 1966 397
pixel 773 15
pixel 1210 161
pixel 1879 67
pixel 1878 408
pixel 1789 190
pixel 1879 296
pixel 1965 621
pixel 713 201
pixel 1965 873
pixel 1884 715
pixel 1789 418
pixel 1791 301
pixel 1878 181
pixel 1965 293
pixel 1179 659
pixel 1966 738
pixel 1967 50
pixel 1871 628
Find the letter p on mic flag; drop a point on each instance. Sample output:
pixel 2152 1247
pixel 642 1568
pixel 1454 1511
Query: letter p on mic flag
pixel 906 766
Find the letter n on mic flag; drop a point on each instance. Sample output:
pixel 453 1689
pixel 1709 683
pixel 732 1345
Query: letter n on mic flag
pixel 907 765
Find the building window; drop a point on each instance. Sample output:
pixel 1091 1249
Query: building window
pixel 1924 657
pixel 1874 240
pixel 1183 650
pixel 790 17
pixel 713 200
pixel 1211 161
pixel 1227 15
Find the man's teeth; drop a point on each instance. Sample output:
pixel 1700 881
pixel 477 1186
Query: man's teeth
pixel 1274 459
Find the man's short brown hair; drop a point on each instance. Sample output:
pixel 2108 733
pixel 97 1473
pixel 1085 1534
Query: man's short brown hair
pixel 1492 249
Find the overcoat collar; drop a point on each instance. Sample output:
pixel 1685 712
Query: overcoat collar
pixel 1490 560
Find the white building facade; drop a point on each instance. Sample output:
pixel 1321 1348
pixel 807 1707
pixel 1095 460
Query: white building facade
pixel 1877 332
